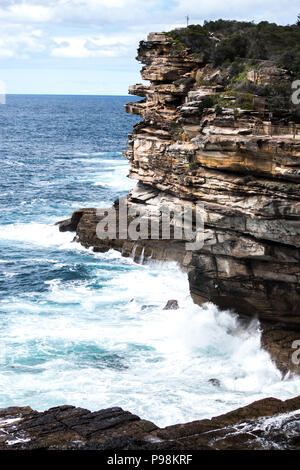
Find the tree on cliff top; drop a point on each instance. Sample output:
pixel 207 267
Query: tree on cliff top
pixel 225 41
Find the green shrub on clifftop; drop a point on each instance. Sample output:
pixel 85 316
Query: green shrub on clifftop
pixel 222 42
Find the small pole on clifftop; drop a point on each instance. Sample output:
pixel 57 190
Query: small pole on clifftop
pixel 187 20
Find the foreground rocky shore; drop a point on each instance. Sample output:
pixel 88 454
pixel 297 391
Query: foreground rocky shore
pixel 268 424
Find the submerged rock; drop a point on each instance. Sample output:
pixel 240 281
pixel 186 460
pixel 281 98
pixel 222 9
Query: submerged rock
pixel 172 305
pixel 215 382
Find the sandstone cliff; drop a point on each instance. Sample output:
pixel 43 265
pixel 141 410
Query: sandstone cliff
pixel 199 142
pixel 249 185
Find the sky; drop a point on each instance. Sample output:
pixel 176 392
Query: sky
pixel 89 46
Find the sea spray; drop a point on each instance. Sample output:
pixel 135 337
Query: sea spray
pixel 90 342
pixel 90 329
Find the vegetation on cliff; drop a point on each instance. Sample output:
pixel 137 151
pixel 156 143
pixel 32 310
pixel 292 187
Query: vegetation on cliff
pixel 222 42
pixel 237 48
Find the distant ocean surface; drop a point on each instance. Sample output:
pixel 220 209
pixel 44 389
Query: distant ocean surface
pixel 72 326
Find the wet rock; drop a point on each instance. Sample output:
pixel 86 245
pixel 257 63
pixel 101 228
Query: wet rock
pixel 172 305
pixel 282 345
pixel 215 382
pixel 70 225
pixel 67 427
pixel 265 424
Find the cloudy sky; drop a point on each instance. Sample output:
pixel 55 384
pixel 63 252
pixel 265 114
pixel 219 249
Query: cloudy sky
pixel 89 46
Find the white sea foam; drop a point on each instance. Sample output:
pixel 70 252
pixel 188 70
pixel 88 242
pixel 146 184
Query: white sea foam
pixel 116 178
pixel 97 154
pixel 265 429
pixel 116 346
pixel 34 233
pixel 9 421
pixel 99 161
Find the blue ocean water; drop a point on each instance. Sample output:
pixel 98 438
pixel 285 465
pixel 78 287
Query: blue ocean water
pixel 73 324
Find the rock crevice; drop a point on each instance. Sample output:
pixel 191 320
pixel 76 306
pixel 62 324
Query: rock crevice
pixel 264 425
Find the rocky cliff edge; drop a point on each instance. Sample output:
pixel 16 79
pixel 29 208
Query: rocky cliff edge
pixel 203 141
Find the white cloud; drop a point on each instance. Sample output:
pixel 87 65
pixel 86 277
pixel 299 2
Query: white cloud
pixel 71 12
pixel 26 12
pixel 5 53
pixel 18 42
pixel 104 13
pixel 57 34
pixel 89 46
pixel 71 28
pixel 80 48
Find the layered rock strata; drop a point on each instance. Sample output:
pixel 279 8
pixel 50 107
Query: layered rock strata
pixel 265 424
pixel 184 153
pixel 248 184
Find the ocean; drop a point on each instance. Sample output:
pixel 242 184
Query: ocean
pixel 89 329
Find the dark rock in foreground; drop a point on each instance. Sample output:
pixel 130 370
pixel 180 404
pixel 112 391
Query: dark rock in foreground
pixel 265 424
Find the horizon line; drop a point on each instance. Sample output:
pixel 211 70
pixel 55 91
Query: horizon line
pixel 64 94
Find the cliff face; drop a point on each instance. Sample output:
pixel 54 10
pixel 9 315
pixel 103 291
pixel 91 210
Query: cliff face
pixel 196 145
pixel 248 183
